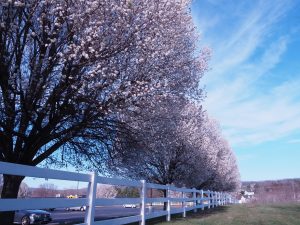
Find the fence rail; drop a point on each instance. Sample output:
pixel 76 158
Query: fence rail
pixel 199 199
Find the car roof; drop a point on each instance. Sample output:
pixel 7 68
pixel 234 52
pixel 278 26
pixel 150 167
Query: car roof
pixel 36 211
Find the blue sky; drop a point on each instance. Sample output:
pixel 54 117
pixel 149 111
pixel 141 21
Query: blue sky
pixel 253 86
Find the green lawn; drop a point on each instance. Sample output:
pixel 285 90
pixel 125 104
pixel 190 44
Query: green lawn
pixel 242 215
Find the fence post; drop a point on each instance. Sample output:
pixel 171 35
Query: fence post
pixel 213 199
pixel 201 201
pixel 195 199
pixel 168 203
pixel 221 198
pixel 209 198
pixel 183 204
pixel 143 194
pixel 224 199
pixel 90 209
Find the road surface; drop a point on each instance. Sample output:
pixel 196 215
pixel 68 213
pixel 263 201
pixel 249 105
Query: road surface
pixel 61 216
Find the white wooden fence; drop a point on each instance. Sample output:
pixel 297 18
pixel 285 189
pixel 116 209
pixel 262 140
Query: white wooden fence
pixel 191 199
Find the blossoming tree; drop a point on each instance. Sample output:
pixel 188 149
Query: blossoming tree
pixel 178 144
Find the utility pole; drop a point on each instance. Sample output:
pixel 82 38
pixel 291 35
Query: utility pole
pixel 293 182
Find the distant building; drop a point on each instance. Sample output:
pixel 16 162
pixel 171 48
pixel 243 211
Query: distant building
pixel 249 195
pixel 58 196
pixel 246 196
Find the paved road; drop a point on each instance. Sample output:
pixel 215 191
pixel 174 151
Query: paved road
pixel 61 216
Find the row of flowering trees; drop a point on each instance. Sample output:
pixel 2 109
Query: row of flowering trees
pixel 175 142
pixel 82 81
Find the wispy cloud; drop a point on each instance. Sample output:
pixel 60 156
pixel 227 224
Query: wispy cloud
pixel 294 141
pixel 246 92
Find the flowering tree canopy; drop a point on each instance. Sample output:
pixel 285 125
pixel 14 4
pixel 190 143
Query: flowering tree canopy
pixel 215 163
pixel 67 67
pixel 159 153
pixel 177 144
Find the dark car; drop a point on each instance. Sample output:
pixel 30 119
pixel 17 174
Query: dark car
pixel 26 217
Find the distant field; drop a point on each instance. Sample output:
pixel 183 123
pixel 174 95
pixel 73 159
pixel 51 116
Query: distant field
pixel 243 215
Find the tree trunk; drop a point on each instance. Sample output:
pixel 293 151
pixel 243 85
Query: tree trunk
pixel 10 189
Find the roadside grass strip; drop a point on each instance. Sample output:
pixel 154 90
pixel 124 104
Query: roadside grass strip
pixel 247 214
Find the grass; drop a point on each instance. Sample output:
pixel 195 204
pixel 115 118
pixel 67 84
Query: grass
pixel 247 214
